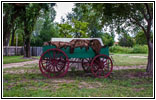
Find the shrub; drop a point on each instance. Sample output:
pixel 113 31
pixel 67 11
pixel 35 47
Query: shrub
pixel 119 49
pixel 108 39
pixel 140 49
pixel 127 50
pixel 126 40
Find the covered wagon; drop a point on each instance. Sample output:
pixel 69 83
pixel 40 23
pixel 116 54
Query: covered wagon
pixel 93 55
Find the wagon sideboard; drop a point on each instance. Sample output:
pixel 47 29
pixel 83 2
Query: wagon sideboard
pixel 80 52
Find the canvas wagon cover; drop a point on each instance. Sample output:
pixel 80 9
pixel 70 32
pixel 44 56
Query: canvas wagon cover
pixel 69 39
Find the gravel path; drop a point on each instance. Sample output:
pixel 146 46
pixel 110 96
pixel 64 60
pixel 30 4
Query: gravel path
pixel 36 62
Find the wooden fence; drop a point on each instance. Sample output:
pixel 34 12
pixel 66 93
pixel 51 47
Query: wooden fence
pixel 19 50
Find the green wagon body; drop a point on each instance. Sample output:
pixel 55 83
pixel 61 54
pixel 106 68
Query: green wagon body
pixel 80 53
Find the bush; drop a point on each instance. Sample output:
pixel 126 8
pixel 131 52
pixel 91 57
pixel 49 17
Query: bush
pixel 128 50
pixel 126 40
pixel 119 49
pixel 140 49
pixel 108 39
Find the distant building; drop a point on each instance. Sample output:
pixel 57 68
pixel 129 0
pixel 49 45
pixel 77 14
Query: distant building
pixel 116 43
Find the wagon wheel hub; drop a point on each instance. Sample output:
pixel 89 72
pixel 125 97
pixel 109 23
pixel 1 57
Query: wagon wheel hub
pixel 54 62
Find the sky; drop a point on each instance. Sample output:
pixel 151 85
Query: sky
pixel 62 9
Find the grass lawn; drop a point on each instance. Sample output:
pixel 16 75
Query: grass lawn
pixel 14 59
pixel 129 59
pixel 29 82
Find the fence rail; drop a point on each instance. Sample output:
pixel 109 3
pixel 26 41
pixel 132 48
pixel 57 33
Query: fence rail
pixel 19 50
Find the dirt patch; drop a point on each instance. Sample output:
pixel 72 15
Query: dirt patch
pixel 20 64
pixel 137 56
pixel 90 85
pixel 129 67
pixel 138 74
pixel 62 81
pixel 22 71
pixel 138 89
pixel 143 74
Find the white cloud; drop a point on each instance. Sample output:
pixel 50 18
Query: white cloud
pixel 62 9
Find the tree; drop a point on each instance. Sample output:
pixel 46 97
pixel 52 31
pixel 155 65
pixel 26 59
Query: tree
pixel 29 16
pixel 108 39
pixel 130 17
pixel 11 12
pixel 140 38
pixel 45 35
pixel 13 35
pixel 79 29
pixel 19 33
pixel 45 29
pixel 126 40
pixel 65 29
pixel 83 12
pixel 75 28
pixel 27 13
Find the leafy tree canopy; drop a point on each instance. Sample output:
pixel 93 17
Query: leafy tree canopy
pixel 126 40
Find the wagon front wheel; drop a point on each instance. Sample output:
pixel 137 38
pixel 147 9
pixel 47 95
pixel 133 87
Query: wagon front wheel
pixel 101 66
pixel 54 63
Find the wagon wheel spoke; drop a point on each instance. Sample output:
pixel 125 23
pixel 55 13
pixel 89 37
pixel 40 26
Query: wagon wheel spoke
pixel 54 54
pixel 100 72
pixel 49 55
pixel 45 65
pixel 88 68
pixel 97 70
pixel 61 64
pixel 105 66
pixel 86 64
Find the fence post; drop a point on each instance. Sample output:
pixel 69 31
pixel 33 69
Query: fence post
pixel 37 51
pixel 7 50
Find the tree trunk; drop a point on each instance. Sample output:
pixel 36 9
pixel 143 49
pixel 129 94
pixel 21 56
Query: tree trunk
pixel 6 31
pixel 149 68
pixel 7 27
pixel 27 48
pixel 26 38
pixel 13 35
pixel 6 38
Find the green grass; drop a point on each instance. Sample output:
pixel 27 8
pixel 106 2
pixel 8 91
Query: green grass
pixel 129 59
pixel 14 59
pixel 29 82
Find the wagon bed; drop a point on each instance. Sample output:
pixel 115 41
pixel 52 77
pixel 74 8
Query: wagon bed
pixel 80 52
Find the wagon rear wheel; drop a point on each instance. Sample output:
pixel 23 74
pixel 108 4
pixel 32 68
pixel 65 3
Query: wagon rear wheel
pixel 86 64
pixel 101 66
pixel 54 63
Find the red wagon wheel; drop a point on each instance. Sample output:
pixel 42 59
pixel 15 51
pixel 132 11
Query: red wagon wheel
pixel 86 64
pixel 101 66
pixel 54 63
